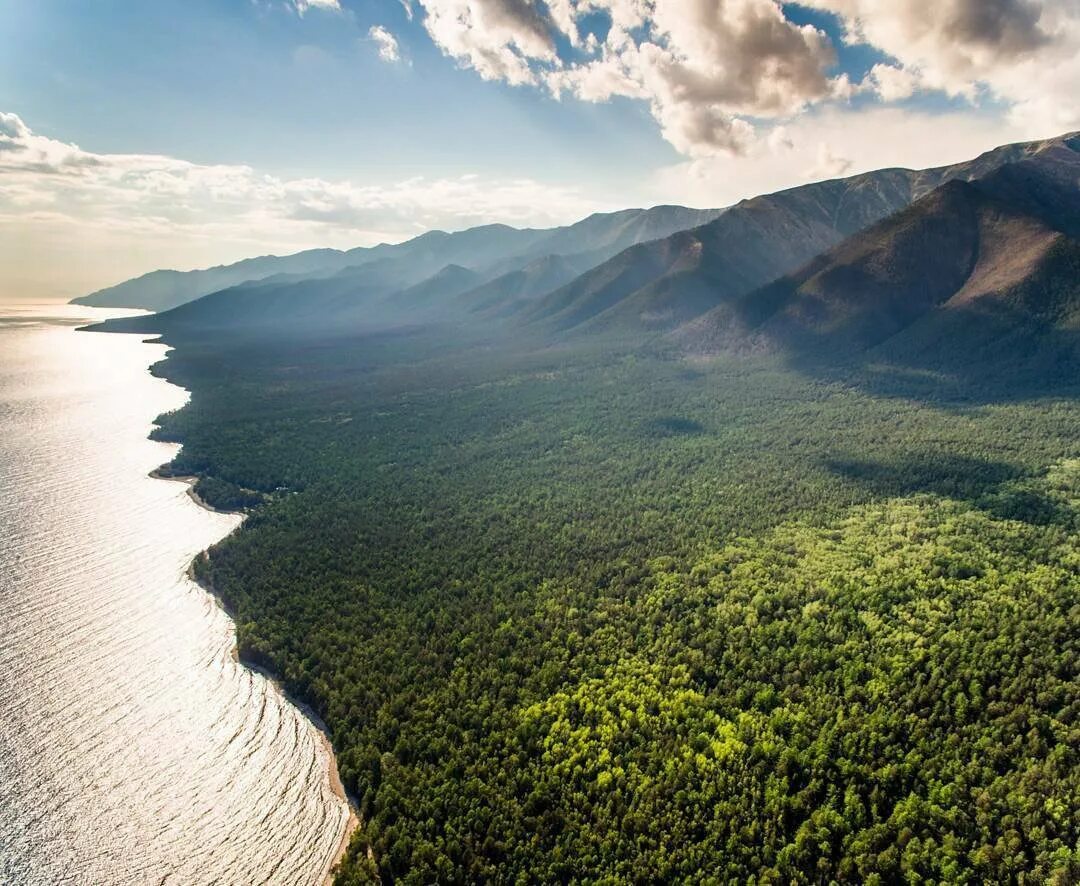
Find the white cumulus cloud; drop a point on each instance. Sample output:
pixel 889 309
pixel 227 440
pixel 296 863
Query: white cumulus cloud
pixel 834 141
pixel 498 38
pixel 704 66
pixel 893 82
pixel 386 42
pixel 715 73
pixel 1024 53
pixel 303 6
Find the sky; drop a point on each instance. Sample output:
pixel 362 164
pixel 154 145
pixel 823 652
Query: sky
pixel 138 135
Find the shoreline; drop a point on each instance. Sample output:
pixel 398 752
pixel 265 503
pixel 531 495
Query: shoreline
pixel 337 788
pixel 336 785
pixel 190 480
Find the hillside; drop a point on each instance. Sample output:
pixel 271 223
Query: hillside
pixel 663 284
pixel 507 292
pixel 612 232
pixel 975 272
pixel 165 289
pixel 281 306
pixel 891 260
pixel 430 294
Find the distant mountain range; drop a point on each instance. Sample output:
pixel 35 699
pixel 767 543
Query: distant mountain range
pixel 948 261
pixel 490 250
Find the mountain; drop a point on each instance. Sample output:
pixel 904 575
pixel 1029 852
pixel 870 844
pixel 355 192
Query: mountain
pixel 986 270
pixel 431 294
pixel 508 292
pixel 662 284
pixel 161 290
pixel 615 231
pixel 496 249
pixel 659 285
pixel 286 304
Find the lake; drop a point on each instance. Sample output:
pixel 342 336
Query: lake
pixel 133 747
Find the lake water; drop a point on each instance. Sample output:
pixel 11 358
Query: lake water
pixel 133 748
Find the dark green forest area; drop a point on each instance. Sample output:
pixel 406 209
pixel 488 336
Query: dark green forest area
pixel 593 615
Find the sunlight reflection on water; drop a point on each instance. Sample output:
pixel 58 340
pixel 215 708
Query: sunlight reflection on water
pixel 133 748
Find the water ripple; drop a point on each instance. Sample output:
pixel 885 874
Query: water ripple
pixel 133 748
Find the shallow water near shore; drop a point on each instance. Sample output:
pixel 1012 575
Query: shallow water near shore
pixel 133 747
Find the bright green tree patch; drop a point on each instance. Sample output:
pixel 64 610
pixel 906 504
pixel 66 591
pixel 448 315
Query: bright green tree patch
pixel 888 698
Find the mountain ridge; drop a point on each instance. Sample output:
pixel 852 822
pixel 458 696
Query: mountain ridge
pixel 970 264
pixel 668 282
pixel 728 270
pixel 165 289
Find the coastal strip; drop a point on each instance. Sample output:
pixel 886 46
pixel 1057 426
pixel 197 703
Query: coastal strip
pixel 336 786
pixel 190 479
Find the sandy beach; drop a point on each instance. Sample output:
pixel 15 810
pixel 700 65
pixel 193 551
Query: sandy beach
pixel 353 821
pixel 190 480
pixel 336 786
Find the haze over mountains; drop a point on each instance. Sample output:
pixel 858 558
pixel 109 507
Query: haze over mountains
pixel 897 261
pixel 490 250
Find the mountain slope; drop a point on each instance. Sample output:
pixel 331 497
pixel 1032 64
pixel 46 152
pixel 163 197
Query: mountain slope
pixel 286 306
pixel 162 290
pixel 501 247
pixel 668 282
pixel 987 270
pixel 509 291
pixel 653 286
pixel 614 231
pixel 432 295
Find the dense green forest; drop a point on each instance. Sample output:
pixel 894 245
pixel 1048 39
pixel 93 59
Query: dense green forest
pixel 597 615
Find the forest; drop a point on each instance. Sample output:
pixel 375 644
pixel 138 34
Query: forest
pixel 598 614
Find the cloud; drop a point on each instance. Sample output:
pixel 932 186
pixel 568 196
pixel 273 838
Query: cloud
pixel 704 66
pixel 140 211
pixel 892 82
pixel 841 141
pixel 12 129
pixel 739 55
pixel 1025 54
pixel 715 73
pixel 386 42
pixel 828 164
pixel 497 38
pixel 955 44
pixel 303 6
pixel 712 64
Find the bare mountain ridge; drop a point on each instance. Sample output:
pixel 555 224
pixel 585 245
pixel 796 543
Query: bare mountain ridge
pixel 705 272
pixel 973 271
pixel 660 285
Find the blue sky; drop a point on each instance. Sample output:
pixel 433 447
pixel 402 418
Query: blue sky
pixel 141 134
pixel 235 82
